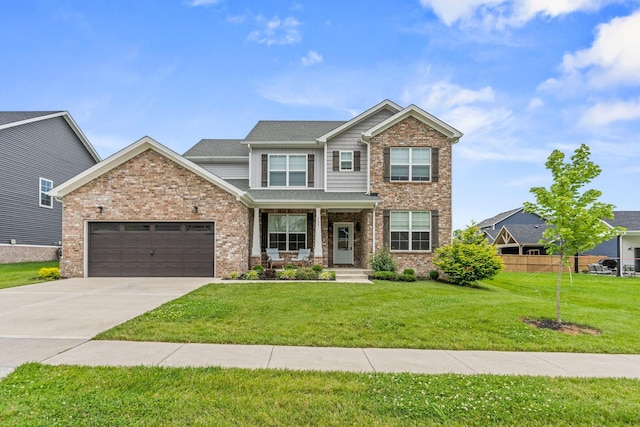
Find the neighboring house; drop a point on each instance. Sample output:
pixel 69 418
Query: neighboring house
pixel 518 232
pixel 38 150
pixel 343 189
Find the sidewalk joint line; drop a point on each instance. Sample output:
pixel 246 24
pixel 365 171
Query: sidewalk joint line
pixel 364 351
pixel 170 354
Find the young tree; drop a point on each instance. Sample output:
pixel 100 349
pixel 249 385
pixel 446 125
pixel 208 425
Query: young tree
pixel 575 218
pixel 469 258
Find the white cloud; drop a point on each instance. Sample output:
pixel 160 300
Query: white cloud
pixel 277 31
pixel 237 19
pixel 312 58
pixel 444 94
pixel 196 3
pixel 506 13
pixel 612 59
pixel 534 104
pixel 606 113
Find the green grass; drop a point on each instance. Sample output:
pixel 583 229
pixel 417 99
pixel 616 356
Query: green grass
pixel 402 315
pixel 22 273
pixel 38 395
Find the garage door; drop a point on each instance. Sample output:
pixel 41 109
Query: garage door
pixel 147 249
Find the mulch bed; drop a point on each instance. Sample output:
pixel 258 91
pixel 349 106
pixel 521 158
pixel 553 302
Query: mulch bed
pixel 563 327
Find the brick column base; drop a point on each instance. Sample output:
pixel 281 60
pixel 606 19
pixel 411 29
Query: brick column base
pixel 255 260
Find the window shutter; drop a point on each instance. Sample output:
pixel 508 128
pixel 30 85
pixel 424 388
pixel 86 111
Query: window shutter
pixel 435 164
pixel 386 167
pixel 435 219
pixel 310 170
pixel 385 228
pixel 356 161
pixel 265 169
pixel 336 161
pixel 310 224
pixel 265 230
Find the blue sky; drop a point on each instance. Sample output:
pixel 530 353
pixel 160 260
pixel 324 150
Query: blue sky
pixel 518 77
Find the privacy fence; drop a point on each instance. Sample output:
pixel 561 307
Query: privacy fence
pixel 545 263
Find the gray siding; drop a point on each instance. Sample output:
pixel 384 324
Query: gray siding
pixel 42 149
pixel 228 170
pixel 608 248
pixel 349 140
pixel 256 163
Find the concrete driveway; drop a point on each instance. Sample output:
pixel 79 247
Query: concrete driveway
pixel 42 320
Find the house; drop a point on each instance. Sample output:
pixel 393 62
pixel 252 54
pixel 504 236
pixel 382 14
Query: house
pixel 518 232
pixel 38 150
pixel 343 189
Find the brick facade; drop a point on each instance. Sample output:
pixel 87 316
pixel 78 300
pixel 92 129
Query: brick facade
pixel 413 196
pixel 151 187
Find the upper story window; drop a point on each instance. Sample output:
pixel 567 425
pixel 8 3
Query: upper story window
pixel 287 170
pixel 410 231
pixel 45 186
pixel 410 164
pixel 346 161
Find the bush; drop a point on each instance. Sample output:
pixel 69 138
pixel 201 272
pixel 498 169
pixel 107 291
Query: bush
pixel 259 269
pixel 251 275
pixel 409 272
pixel 406 277
pixel 49 273
pixel 317 268
pixel 306 273
pixel 434 275
pixel 383 261
pixel 289 267
pixel 327 275
pixel 287 274
pixel 384 275
pixel 234 275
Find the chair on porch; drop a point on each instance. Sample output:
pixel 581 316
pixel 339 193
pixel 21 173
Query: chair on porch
pixel 302 257
pixel 273 258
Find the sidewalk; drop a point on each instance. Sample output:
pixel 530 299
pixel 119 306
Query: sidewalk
pixel 126 353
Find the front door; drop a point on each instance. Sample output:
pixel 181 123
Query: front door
pixel 636 255
pixel 343 243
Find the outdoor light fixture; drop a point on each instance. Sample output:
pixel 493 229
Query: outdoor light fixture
pixel 195 210
pixel 100 209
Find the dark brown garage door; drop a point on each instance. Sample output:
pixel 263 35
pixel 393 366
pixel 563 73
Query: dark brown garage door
pixel 148 249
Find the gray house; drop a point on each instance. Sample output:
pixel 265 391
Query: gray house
pixel 38 150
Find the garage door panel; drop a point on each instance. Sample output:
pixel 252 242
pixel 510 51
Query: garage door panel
pixel 151 249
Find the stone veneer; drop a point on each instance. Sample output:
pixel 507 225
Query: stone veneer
pixel 151 187
pixel 424 196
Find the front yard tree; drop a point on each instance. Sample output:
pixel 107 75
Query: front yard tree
pixel 575 218
pixel 469 258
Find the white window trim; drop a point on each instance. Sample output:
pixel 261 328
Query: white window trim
pixel 410 176
pixel 287 232
pixel 411 230
pixel 40 192
pixel 351 161
pixel 286 170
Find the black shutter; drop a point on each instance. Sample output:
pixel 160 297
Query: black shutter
pixel 435 219
pixel 310 170
pixel 356 161
pixel 386 164
pixel 265 231
pixel 385 228
pixel 336 160
pixel 435 164
pixel 265 169
pixel 310 228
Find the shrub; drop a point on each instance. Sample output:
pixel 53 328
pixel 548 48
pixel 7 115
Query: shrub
pixel 384 275
pixel 434 275
pixel 383 261
pixel 234 275
pixel 327 275
pixel 306 273
pixel 317 268
pixel 409 271
pixel 49 273
pixel 251 275
pixel 406 277
pixel 289 267
pixel 287 274
pixel 269 274
pixel 259 269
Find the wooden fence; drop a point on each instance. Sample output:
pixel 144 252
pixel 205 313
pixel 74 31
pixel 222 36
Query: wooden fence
pixel 544 263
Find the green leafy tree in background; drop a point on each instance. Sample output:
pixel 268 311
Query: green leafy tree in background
pixel 469 258
pixel 575 217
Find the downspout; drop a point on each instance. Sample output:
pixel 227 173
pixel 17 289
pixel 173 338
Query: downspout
pixel 373 238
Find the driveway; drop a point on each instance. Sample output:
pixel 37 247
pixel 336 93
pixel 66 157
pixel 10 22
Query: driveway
pixel 42 320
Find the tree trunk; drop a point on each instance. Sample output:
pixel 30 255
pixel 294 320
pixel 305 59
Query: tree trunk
pixel 558 319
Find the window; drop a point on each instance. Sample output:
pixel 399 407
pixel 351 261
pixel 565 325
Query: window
pixel 288 232
pixel 346 161
pixel 287 170
pixel 410 231
pixel 410 164
pixel 45 186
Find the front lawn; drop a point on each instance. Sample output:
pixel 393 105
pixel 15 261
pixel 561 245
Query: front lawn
pixel 22 273
pixel 70 395
pixel 401 315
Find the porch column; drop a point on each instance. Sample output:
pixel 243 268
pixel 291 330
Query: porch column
pixel 255 247
pixel 317 244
